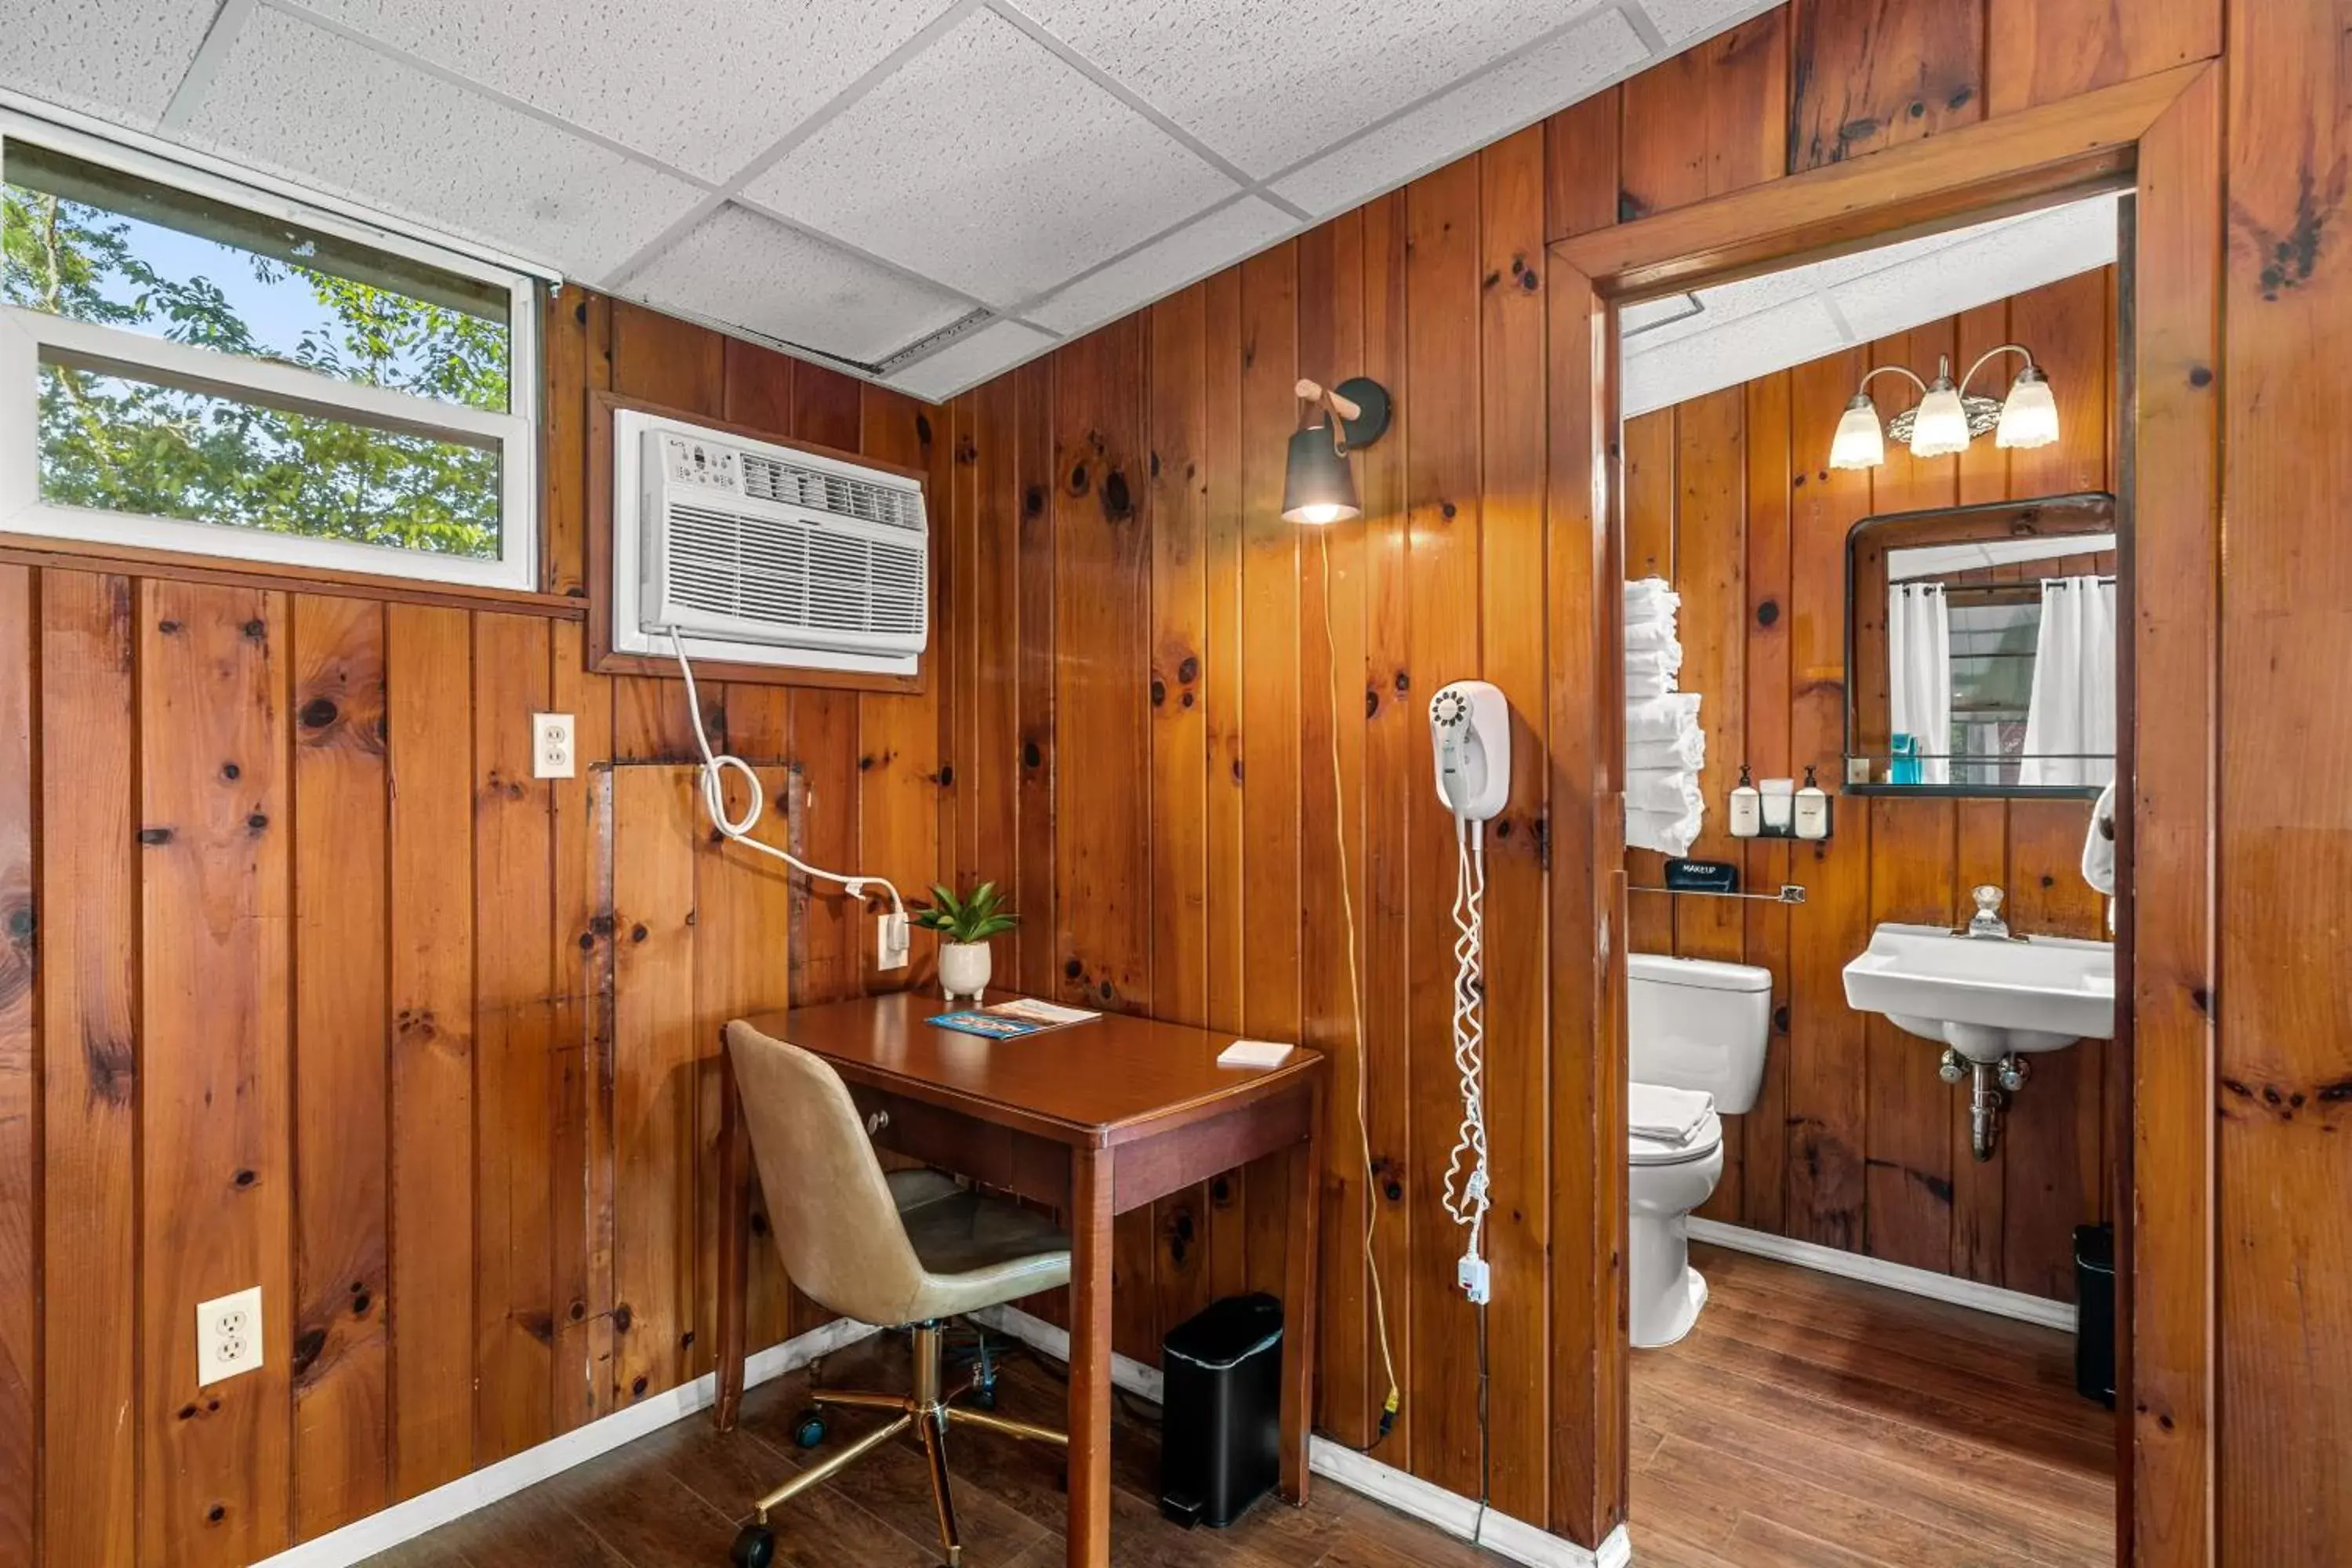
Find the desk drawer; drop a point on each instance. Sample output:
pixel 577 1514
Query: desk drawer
pixel 1018 1163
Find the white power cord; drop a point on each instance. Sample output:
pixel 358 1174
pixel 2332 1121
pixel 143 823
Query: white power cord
pixel 738 827
pixel 1465 1167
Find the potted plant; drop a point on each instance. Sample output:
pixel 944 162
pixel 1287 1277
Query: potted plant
pixel 965 966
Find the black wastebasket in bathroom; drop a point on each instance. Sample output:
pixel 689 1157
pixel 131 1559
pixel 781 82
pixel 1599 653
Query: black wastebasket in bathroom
pixel 2094 1302
pixel 1221 1424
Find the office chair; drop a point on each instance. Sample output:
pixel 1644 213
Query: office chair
pixel 906 1248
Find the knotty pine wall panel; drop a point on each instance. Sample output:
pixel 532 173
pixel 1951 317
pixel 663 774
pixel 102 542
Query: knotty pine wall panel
pixel 1854 1140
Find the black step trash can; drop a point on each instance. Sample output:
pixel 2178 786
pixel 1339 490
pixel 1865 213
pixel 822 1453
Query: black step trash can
pixel 2095 1304
pixel 1221 1432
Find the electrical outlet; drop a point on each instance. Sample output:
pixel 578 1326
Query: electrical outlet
pixel 228 1336
pixel 550 746
pixel 890 942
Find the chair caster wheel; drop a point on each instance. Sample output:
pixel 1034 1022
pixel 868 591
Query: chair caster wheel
pixel 984 1398
pixel 808 1428
pixel 755 1547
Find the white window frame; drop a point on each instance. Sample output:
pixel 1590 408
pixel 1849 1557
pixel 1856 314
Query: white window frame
pixel 25 335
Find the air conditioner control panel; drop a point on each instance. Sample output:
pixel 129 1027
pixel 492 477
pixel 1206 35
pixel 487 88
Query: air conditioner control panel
pixel 702 464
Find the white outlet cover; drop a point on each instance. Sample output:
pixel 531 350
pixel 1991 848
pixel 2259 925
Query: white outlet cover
pixel 552 746
pixel 228 1336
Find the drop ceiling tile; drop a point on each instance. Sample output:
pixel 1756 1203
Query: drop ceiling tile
pixel 1268 82
pixel 1682 22
pixel 751 271
pixel 1516 93
pixel 119 59
pixel 990 163
pixel 1201 246
pixel 1976 269
pixel 702 85
pixel 969 361
pixel 1755 345
pixel 298 101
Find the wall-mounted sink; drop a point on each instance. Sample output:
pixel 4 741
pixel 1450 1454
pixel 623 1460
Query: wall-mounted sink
pixel 1987 998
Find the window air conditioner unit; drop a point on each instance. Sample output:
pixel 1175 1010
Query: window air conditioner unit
pixel 756 553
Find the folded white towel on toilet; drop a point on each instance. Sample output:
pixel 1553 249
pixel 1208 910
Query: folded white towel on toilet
pixel 1666 1115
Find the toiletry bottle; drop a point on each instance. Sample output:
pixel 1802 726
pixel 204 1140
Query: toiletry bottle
pixel 1813 810
pixel 1746 808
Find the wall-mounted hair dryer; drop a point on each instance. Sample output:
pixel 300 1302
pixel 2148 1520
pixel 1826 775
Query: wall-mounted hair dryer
pixel 1470 733
pixel 1470 738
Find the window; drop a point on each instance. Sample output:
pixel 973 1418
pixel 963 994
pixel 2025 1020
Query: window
pixel 187 363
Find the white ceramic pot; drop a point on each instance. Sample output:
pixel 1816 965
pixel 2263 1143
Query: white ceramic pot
pixel 964 969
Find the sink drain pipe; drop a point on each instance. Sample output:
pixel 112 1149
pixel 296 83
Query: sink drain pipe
pixel 1989 1085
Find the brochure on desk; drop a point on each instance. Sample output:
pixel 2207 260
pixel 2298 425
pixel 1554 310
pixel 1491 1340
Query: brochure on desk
pixel 1010 1020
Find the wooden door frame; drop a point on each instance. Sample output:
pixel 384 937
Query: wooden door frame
pixel 2161 138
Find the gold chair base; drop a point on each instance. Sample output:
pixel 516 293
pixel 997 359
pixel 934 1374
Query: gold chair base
pixel 930 1416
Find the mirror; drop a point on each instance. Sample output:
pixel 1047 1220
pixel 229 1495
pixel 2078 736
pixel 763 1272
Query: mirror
pixel 1981 646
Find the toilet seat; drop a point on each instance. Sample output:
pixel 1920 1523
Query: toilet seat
pixel 1706 1141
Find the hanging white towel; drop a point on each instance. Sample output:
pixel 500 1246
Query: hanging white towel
pixel 1666 717
pixel 1671 792
pixel 2099 843
pixel 1685 751
pixel 1665 1115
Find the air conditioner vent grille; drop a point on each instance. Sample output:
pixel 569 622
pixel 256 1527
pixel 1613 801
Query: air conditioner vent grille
pixel 791 575
pixel 789 484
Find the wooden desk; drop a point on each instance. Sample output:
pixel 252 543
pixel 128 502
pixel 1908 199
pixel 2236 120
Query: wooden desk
pixel 1095 1119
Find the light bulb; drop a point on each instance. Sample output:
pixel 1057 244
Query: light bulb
pixel 2029 417
pixel 1941 426
pixel 1861 443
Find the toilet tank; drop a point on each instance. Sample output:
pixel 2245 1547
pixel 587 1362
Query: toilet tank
pixel 1694 1023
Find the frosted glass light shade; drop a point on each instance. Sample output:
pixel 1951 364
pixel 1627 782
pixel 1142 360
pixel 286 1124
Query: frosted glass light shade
pixel 2029 417
pixel 1860 442
pixel 1942 428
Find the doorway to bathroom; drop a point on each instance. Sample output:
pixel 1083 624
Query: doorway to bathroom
pixel 1873 552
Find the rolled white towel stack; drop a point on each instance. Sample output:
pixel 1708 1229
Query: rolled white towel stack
pixel 1664 748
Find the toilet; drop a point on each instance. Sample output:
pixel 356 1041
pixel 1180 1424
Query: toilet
pixel 1693 1024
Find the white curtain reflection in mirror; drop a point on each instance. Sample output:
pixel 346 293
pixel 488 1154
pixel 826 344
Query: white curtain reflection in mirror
pixel 1919 680
pixel 2069 726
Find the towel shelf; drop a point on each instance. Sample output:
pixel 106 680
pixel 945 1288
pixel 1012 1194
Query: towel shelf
pixel 1790 893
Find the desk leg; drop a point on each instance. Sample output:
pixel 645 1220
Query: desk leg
pixel 1090 1247
pixel 734 1243
pixel 1301 1308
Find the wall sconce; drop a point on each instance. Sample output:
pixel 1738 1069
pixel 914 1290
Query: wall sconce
pixel 1317 485
pixel 1948 417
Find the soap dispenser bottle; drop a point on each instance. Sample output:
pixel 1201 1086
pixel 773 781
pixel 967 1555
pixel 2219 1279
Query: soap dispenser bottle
pixel 1813 810
pixel 1747 807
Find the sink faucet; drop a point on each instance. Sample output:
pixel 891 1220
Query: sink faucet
pixel 1987 921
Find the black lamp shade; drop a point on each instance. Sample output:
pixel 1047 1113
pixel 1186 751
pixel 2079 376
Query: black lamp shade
pixel 1317 487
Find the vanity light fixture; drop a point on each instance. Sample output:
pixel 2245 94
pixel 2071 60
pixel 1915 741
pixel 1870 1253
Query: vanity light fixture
pixel 1948 417
pixel 1317 485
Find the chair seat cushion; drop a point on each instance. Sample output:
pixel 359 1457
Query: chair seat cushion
pixel 976 1251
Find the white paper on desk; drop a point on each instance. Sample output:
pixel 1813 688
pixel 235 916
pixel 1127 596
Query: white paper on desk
pixel 1253 1053
pixel 1037 1012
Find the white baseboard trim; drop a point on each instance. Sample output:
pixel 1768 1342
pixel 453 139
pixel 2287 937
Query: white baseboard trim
pixel 429 1511
pixel 1893 1276
pixel 1449 1512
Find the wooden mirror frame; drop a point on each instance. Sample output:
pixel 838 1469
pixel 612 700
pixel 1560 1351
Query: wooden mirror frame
pixel 1866 681
pixel 2160 137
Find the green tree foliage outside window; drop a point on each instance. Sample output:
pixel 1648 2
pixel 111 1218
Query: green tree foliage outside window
pixel 115 442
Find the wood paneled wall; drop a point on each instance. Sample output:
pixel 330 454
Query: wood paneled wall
pixel 307 983
pixel 1171 618
pixel 1856 1143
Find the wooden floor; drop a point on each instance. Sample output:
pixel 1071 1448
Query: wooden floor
pixel 673 1500
pixel 1811 1420
pixel 1806 1421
